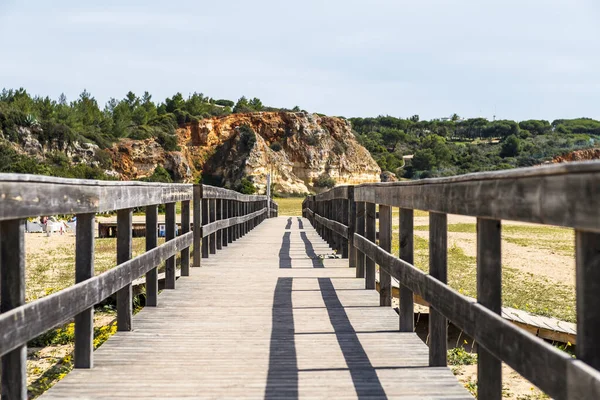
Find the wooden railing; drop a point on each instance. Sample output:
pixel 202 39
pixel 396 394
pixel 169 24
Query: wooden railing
pixel 223 216
pixel 563 195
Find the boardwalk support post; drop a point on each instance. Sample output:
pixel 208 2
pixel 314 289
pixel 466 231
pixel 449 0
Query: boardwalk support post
pixel 370 235
pixel 12 295
pixel 407 313
pixel 152 242
pixel 351 218
pixel 438 268
pixel 84 269
pixel 360 230
pixel 185 228
pixel 197 199
pixel 489 294
pixel 125 294
pixel 385 242
pixel 170 226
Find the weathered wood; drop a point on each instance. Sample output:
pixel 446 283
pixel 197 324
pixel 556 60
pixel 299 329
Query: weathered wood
pixel 351 219
pixel 185 228
pixel 299 333
pixel 212 217
pixel 84 269
pixel 345 209
pixel 489 294
pixel 385 242
pixel 587 248
pixel 209 229
pixel 438 269
pixel 33 195
pixel 370 235
pixel 225 215
pixel 331 225
pixel 12 297
pixel 360 230
pixel 212 192
pixel 407 312
pixel 170 228
pixel 563 195
pixel 152 242
pixel 219 217
pixel 125 294
pixel 197 226
pixel 338 192
pixel 205 221
pixel 30 320
pixel 537 361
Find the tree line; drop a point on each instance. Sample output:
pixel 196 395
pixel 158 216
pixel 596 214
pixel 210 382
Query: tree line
pixel 456 146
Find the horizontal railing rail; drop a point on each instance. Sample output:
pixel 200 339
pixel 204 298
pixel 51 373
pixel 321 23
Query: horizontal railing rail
pixel 564 195
pixel 221 216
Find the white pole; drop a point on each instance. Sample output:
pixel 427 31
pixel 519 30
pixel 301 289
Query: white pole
pixel 268 195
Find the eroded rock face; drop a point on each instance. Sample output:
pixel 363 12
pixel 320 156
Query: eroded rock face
pixel 295 148
pixel 578 155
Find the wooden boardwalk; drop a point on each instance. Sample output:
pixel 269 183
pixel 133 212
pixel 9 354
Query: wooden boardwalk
pixel 265 318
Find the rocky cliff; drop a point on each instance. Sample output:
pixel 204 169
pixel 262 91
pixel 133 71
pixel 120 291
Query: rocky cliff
pixel 578 155
pixel 296 148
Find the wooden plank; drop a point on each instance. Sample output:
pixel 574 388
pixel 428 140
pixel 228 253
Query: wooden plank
pixel 338 192
pixel 205 221
pixel 332 225
pixel 151 243
pixel 125 294
pixel 33 195
pixel 345 210
pixel 170 228
pixel 12 297
pixel 351 220
pixel 197 226
pixel 219 217
pixel 587 248
pixel 299 333
pixel 556 195
pixel 84 269
pixel 370 235
pixel 489 294
pixel 212 192
pixel 209 229
pixel 407 319
pixel 438 269
pixel 385 242
pixel 32 319
pixel 185 228
pixel 539 362
pixel 225 231
pixel 212 217
pixel 360 230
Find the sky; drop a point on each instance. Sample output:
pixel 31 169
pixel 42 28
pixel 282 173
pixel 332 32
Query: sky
pixel 514 59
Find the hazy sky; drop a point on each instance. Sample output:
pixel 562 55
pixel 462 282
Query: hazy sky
pixel 518 59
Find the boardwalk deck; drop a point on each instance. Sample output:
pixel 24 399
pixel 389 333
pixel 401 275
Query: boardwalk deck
pixel 297 327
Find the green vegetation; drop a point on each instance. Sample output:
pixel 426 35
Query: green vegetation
pixel 456 146
pixel 324 181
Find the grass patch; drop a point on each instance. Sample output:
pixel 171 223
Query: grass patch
pixel 291 206
pixel 520 290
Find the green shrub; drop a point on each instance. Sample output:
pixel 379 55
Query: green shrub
pixel 247 137
pixel 246 186
pixel 276 146
pixel 167 141
pixel 324 181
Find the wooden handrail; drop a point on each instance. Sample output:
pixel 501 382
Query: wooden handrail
pixel 23 196
pixel 563 195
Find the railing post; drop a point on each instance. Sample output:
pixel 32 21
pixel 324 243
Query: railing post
pixel 225 215
pixel 407 313
pixel 205 221
pixel 360 229
pixel 371 235
pixel 197 225
pixel 212 214
pixel 84 269
pixel 152 242
pixel 351 218
pixel 236 213
pixel 219 216
pixel 185 228
pixel 385 242
pixel 489 294
pixel 438 268
pixel 125 294
pixel 12 295
pixel 230 214
pixel 587 272
pixel 345 206
pixel 170 226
